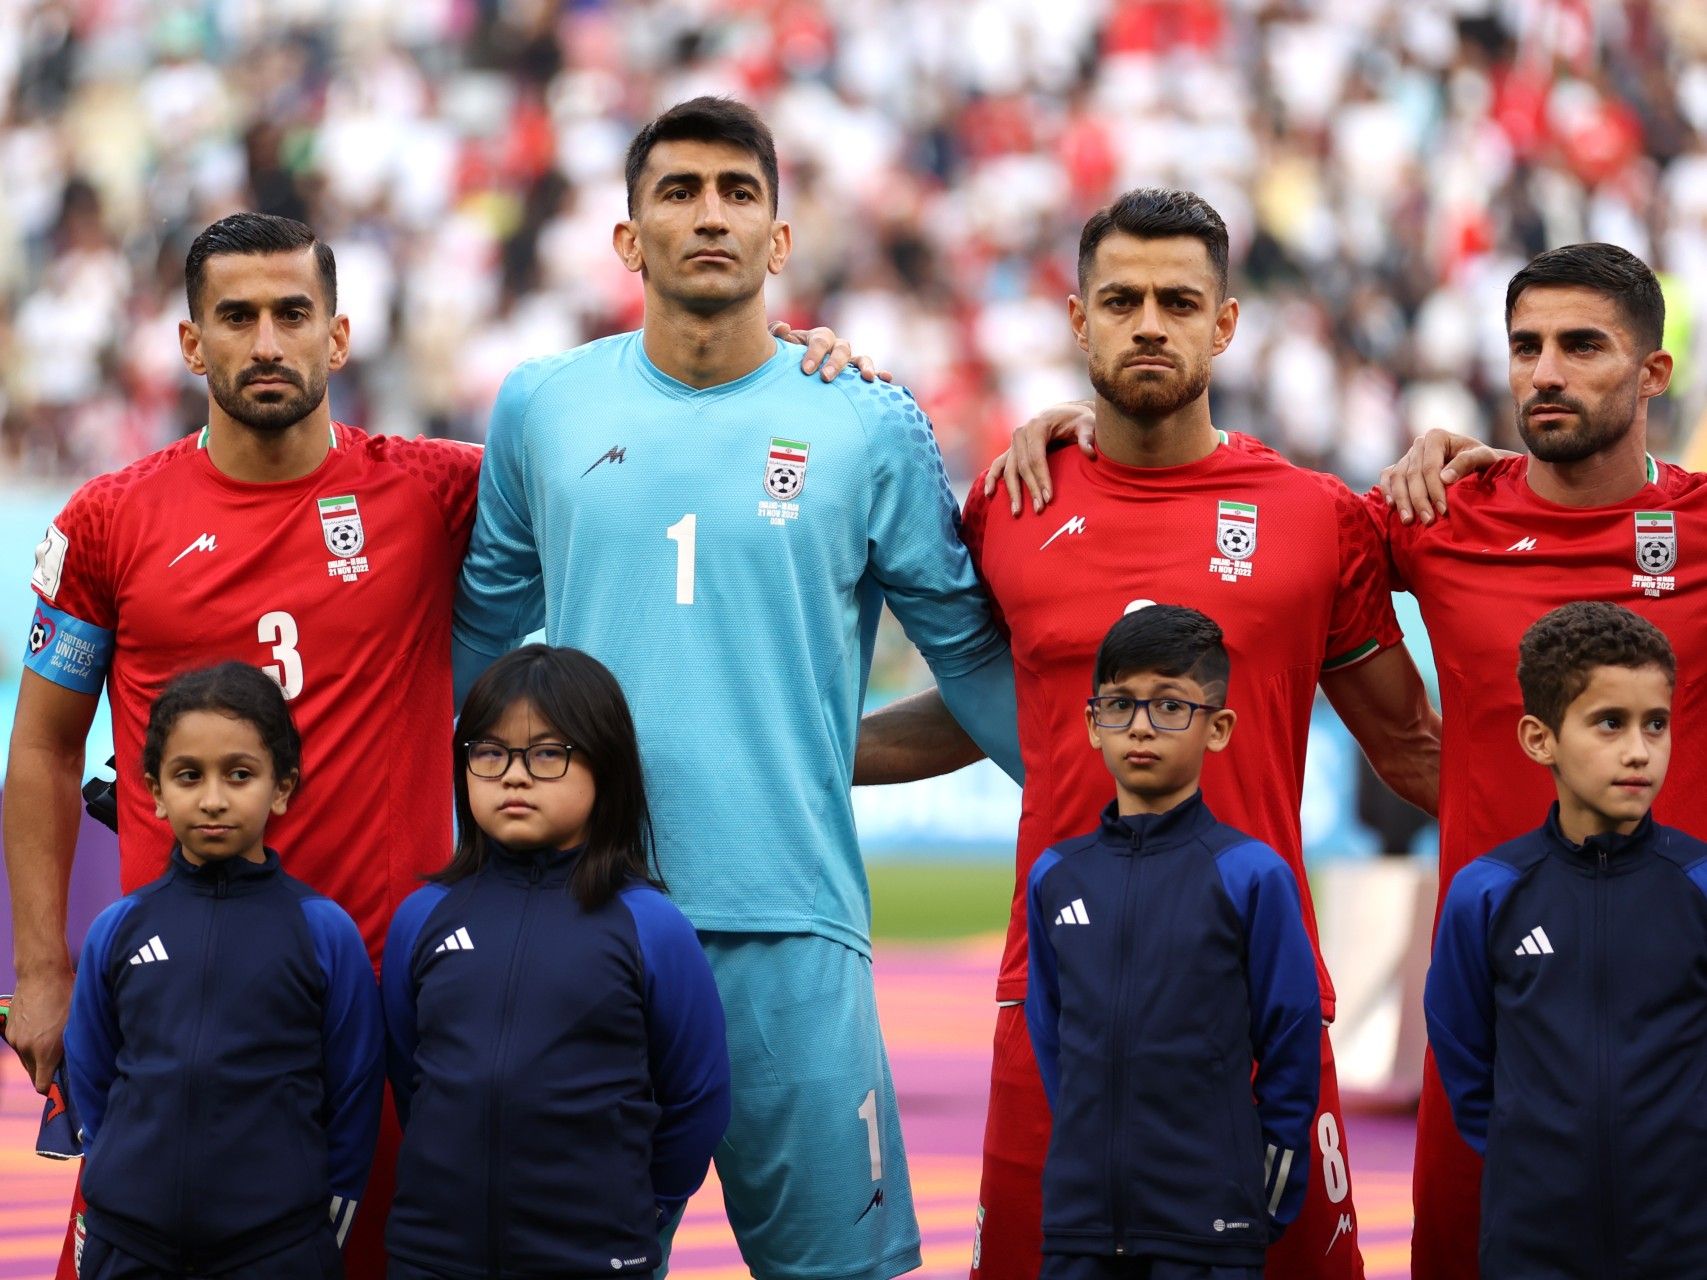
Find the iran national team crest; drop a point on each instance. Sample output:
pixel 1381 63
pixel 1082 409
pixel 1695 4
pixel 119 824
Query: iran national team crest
pixel 1236 529
pixel 1656 541
pixel 341 522
pixel 785 469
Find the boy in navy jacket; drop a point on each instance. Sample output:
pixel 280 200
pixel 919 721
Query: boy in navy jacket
pixel 225 1050
pixel 1567 1002
pixel 1168 953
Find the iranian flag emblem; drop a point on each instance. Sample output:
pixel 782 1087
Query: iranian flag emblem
pixel 785 469
pixel 1656 541
pixel 1236 529
pixel 341 522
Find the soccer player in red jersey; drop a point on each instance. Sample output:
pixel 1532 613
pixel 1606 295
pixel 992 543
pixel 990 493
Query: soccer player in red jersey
pixel 1585 514
pixel 1171 510
pixel 278 537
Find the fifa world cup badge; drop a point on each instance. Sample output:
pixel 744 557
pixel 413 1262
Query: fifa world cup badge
pixel 785 478
pixel 1235 539
pixel 1656 552
pixel 341 525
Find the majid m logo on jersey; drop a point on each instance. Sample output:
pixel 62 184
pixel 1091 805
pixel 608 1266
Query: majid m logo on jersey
pixel 785 469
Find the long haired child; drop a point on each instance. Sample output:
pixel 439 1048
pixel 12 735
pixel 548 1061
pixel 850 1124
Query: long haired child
pixel 225 1050
pixel 556 1041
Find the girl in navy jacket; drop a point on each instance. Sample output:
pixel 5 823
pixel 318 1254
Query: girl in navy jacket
pixel 556 1042
pixel 225 1049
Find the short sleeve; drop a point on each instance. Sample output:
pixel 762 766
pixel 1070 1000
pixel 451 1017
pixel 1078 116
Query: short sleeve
pixel 451 471
pixel 70 639
pixel 973 517
pixel 71 570
pixel 1362 622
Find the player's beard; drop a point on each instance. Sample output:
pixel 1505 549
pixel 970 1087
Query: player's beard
pixel 1148 399
pixel 1594 430
pixel 278 415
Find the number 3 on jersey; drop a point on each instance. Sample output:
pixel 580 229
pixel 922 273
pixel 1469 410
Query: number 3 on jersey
pixel 682 534
pixel 278 629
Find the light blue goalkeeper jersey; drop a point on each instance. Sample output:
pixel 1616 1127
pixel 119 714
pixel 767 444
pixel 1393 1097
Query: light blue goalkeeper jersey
pixel 726 553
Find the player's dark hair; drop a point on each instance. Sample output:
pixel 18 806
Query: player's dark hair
pixel 577 696
pixel 705 119
pixel 1168 640
pixel 1558 655
pixel 1156 213
pixel 257 233
pixel 233 689
pixel 1605 268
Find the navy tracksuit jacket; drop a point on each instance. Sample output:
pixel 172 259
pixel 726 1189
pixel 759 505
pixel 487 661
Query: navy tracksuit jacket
pixel 562 1075
pixel 1567 1008
pixel 1167 953
pixel 225 1052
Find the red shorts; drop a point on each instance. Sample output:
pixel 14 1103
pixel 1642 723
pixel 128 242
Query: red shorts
pixel 1446 1191
pixel 1008 1245
pixel 364 1249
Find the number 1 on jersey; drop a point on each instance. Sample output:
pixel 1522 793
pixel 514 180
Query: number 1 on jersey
pixel 682 534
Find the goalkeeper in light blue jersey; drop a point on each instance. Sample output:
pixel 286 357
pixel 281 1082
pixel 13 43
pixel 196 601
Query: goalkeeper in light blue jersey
pixel 722 533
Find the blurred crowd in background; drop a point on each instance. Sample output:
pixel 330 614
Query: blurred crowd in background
pixel 1384 165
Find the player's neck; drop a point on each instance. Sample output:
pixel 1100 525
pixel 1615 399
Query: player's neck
pixel 707 350
pixel 1170 441
pixel 1615 474
pixel 268 457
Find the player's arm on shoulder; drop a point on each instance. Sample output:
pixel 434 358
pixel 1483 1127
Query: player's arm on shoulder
pixel 1458 996
pixel 43 809
pixel 1384 703
pixel 1025 462
pixel 1416 484
pixel 1043 980
pixel 352 1033
pixel 500 595
pixel 827 354
pixel 927 574
pixel 1286 1012
pixel 911 738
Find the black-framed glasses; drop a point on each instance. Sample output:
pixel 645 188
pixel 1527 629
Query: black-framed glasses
pixel 542 760
pixel 1169 715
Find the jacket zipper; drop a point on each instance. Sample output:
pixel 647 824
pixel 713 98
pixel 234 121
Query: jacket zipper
pixel 494 1200
pixel 1603 1092
pixel 186 1082
pixel 1117 1060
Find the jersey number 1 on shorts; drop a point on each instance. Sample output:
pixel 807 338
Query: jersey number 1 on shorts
pixel 681 533
pixel 868 1113
pixel 278 629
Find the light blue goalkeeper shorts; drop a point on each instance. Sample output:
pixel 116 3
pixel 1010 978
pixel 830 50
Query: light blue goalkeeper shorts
pixel 814 1175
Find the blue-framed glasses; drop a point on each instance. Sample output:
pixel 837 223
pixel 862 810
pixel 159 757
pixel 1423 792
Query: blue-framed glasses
pixel 1169 715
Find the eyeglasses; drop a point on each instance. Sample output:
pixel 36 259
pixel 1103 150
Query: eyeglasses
pixel 1169 715
pixel 543 760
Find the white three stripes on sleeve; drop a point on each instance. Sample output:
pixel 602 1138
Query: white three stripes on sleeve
pixel 1280 1177
pixel 343 1213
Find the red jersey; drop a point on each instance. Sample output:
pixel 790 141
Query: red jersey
pixel 1501 559
pixel 338 584
pixel 1287 561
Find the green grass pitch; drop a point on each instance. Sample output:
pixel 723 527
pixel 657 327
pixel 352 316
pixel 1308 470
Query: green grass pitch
pixel 922 901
